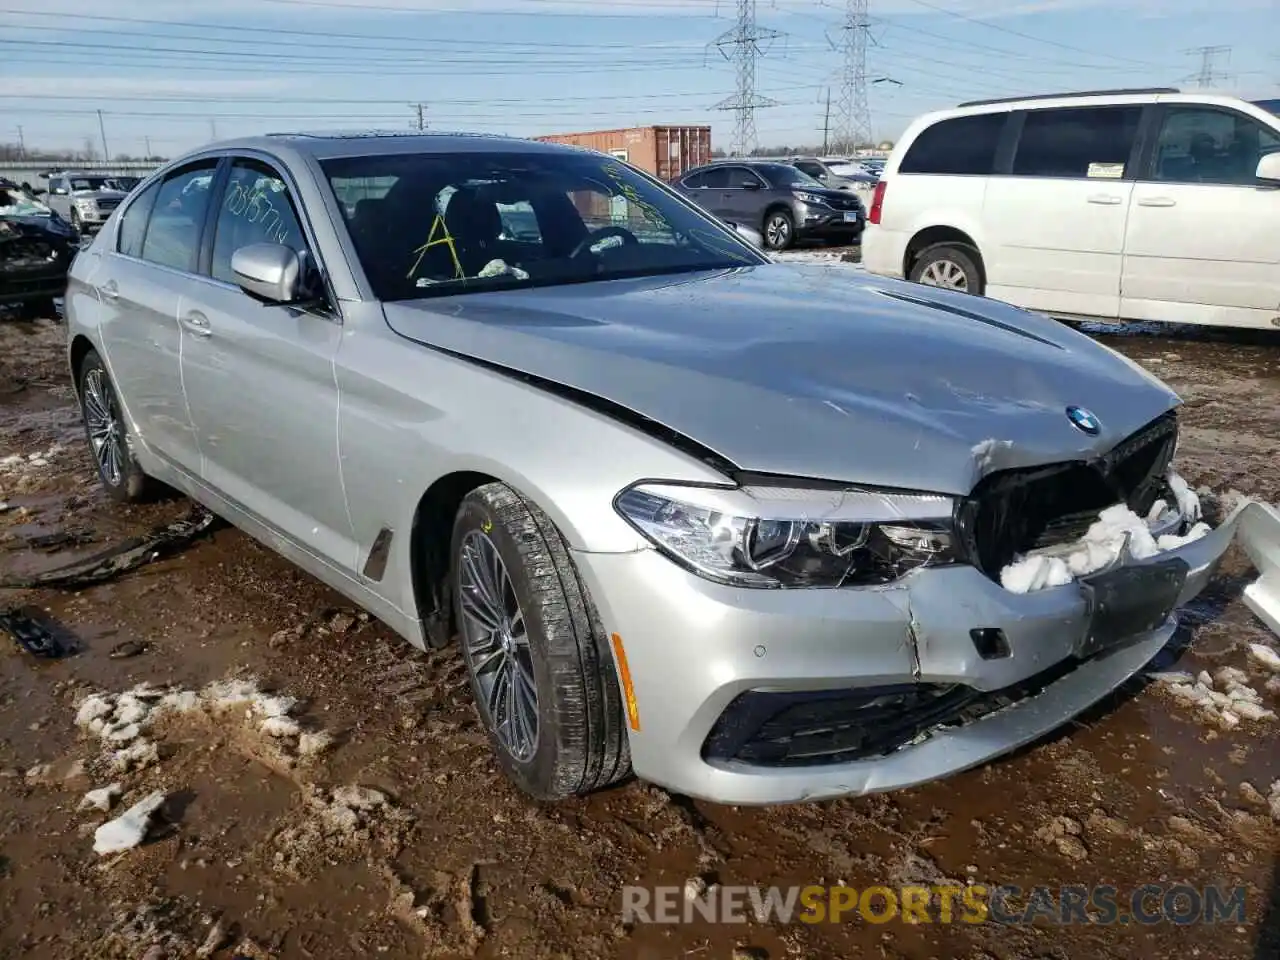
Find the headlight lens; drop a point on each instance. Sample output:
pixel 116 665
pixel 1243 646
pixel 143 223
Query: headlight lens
pixel 770 537
pixel 85 203
pixel 810 198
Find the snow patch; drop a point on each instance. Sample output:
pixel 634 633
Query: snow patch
pixel 104 798
pixel 130 828
pixel 1224 698
pixel 1266 656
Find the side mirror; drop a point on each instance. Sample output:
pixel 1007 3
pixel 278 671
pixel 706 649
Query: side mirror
pixel 1269 167
pixel 753 237
pixel 270 272
pixel 750 184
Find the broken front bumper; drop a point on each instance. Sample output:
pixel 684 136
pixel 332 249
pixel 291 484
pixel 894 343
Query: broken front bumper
pixel 711 664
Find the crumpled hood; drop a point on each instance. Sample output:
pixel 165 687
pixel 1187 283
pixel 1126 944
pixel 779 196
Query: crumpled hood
pixel 813 371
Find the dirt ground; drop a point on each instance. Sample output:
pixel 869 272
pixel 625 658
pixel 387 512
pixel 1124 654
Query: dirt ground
pixel 263 849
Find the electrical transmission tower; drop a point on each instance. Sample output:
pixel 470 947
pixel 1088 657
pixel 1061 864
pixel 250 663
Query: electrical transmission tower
pixel 853 110
pixel 1209 75
pixel 741 46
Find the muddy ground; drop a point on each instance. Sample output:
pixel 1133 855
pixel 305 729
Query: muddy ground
pixel 253 853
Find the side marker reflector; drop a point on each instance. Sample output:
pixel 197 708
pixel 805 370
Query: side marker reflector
pixel 628 691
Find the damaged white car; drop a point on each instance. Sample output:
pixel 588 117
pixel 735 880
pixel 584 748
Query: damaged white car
pixel 759 532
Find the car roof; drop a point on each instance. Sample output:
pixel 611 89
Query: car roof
pixel 332 144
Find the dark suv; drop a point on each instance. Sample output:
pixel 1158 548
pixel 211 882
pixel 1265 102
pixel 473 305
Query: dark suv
pixel 783 203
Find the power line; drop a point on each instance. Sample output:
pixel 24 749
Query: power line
pixel 744 41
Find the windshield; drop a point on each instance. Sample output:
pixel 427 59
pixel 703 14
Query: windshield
pixel 92 183
pixel 435 224
pixel 16 202
pixel 124 184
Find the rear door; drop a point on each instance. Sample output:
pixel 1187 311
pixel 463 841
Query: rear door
pixel 1203 239
pixel 142 284
pixel 1055 215
pixel 260 379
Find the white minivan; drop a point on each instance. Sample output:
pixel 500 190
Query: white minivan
pixel 1130 204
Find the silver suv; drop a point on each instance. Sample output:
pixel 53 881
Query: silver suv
pixel 85 199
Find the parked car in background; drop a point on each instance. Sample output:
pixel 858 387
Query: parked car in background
pixel 1133 205
pixel 590 455
pixel 783 203
pixel 836 174
pixel 36 250
pixel 85 200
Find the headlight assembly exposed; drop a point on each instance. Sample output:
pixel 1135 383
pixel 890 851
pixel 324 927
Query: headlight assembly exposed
pixel 770 537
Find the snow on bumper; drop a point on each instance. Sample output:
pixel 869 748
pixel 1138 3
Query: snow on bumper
pixel 696 648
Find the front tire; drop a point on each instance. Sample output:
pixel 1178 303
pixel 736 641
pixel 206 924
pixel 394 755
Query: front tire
pixel 779 230
pixel 949 266
pixel 108 435
pixel 540 668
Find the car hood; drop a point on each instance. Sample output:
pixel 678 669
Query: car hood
pixel 99 194
pixel 43 225
pixel 812 371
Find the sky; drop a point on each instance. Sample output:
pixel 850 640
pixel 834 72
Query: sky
pixel 172 76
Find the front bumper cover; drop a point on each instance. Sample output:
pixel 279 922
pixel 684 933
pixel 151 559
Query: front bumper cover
pixel 693 647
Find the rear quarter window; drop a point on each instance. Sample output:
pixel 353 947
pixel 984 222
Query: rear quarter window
pixel 957 146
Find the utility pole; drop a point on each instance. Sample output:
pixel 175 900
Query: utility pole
pixel 213 128
pixel 1209 74
pixel 102 129
pixel 853 110
pixel 147 140
pixel 421 109
pixel 741 46
pixel 22 145
pixel 826 124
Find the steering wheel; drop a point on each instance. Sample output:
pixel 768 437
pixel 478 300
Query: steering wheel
pixel 595 236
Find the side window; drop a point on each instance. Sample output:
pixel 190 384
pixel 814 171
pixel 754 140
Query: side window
pixel 1083 142
pixel 717 178
pixel 133 222
pixel 958 146
pixel 695 181
pixel 519 222
pixel 736 176
pixel 173 234
pixel 812 169
pixel 256 208
pixel 1204 145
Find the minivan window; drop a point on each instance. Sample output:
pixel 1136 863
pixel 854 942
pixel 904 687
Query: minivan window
pixel 173 235
pixel 958 146
pixel 1206 145
pixel 1079 142
pixel 256 208
pixel 133 223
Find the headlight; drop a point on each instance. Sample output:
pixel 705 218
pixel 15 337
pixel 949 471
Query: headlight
pixel 810 198
pixel 793 537
pixel 84 203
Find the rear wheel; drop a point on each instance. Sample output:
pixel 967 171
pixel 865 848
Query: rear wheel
pixel 108 434
pixel 950 266
pixel 779 230
pixel 540 668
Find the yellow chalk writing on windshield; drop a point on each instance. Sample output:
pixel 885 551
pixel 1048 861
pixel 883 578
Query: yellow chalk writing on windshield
pixel 432 241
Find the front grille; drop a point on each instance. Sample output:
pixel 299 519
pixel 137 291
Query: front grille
pixel 840 726
pixel 104 204
pixel 843 203
pixel 1012 512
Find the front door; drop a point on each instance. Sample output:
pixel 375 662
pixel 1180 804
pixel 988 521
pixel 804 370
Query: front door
pixel 260 379
pixel 142 285
pixel 1055 222
pixel 1203 242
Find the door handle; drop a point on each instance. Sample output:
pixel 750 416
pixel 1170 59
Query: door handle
pixel 197 324
pixel 1157 202
pixel 1105 199
pixel 109 290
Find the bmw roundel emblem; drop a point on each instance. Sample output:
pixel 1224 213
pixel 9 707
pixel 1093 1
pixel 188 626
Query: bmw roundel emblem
pixel 1084 421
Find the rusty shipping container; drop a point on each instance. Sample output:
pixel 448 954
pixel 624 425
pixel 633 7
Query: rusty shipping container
pixel 664 151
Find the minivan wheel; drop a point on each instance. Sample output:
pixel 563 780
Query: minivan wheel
pixel 108 434
pixel 779 230
pixel 540 667
pixel 949 266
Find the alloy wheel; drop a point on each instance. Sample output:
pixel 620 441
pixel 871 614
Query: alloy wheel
pixel 496 644
pixel 106 435
pixel 777 232
pixel 945 273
